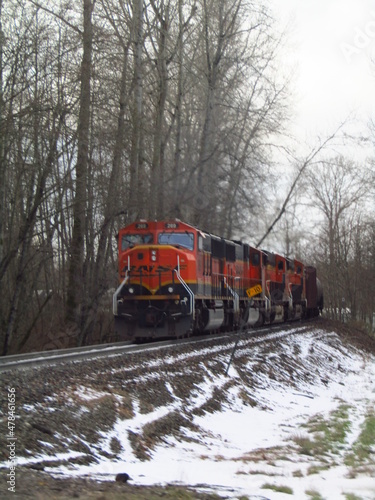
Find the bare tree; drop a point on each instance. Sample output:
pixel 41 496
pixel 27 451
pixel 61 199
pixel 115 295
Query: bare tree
pixel 76 288
pixel 234 106
pixel 2 162
pixel 301 172
pixel 137 194
pixel 30 135
pixel 219 26
pixel 337 187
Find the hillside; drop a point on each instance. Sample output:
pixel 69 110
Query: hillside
pixel 293 418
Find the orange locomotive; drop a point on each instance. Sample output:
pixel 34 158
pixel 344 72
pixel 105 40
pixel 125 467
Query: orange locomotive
pixel 177 280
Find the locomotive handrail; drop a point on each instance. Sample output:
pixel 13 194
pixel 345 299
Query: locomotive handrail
pixel 236 297
pixel 115 295
pixel 189 291
pixel 268 299
pixel 290 295
pixel 268 303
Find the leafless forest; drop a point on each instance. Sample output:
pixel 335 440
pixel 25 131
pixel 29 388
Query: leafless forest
pixel 112 110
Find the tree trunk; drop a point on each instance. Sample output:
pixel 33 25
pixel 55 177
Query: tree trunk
pixel 2 159
pixel 75 292
pixel 98 274
pixel 176 191
pixel 136 190
pixel 157 167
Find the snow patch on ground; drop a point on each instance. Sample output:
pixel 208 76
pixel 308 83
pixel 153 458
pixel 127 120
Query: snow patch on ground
pixel 251 439
pixel 221 455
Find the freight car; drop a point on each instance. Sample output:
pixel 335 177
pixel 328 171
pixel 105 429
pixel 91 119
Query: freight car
pixel 176 280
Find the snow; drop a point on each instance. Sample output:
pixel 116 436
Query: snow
pixel 218 460
pixel 238 449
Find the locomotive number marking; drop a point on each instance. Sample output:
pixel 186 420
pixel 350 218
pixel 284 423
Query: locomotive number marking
pixel 255 290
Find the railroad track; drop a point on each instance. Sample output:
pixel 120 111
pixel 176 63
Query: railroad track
pixel 32 360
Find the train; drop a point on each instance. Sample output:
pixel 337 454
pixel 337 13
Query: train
pixel 176 280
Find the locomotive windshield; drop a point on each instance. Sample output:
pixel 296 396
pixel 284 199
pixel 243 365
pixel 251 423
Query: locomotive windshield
pixel 185 239
pixel 130 240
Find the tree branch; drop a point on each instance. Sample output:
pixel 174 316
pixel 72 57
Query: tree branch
pixel 305 164
pixel 49 11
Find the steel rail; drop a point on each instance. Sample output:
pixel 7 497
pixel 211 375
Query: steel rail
pixel 53 357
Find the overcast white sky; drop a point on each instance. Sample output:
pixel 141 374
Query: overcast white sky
pixel 331 46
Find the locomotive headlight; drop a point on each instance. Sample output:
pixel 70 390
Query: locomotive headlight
pixel 170 289
pixel 153 255
pixel 131 290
